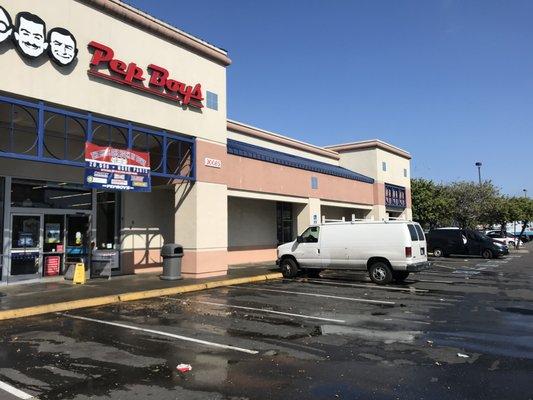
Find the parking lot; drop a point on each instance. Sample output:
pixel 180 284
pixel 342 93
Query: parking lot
pixel 462 330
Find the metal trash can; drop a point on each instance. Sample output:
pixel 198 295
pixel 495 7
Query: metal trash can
pixel 172 254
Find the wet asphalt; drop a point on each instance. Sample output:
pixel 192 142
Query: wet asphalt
pixel 463 330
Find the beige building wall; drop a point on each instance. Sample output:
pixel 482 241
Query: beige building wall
pixel 251 221
pixel 147 224
pixel 71 86
pixel 369 161
pixel 201 226
pixel 278 147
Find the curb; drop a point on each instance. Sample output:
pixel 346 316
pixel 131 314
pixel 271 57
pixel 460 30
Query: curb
pixel 131 296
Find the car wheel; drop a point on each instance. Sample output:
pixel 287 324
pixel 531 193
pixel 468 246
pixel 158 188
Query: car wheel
pixel 400 276
pixel 438 252
pixel 380 273
pixel 486 254
pixel 288 267
pixel 313 272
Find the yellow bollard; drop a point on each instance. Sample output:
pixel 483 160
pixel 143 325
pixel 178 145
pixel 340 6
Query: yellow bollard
pixel 79 274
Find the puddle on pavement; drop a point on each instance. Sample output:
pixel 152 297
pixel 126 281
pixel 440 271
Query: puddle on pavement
pixel 516 310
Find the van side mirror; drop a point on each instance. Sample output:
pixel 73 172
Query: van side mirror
pixel 299 239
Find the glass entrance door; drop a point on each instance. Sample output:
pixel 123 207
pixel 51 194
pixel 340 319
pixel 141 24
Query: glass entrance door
pixel 26 246
pixel 78 240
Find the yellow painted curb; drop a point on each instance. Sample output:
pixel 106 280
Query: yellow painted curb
pixel 145 294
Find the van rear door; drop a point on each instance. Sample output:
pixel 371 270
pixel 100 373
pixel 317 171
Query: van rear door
pixel 421 240
pixel 418 243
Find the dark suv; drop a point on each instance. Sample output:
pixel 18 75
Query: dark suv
pixel 466 242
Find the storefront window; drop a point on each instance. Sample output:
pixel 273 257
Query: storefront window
pixel 39 194
pixel 106 215
pixel 284 222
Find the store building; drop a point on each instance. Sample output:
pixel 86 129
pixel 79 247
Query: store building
pixel 103 75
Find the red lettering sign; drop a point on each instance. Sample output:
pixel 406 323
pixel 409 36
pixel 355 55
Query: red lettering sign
pixel 130 74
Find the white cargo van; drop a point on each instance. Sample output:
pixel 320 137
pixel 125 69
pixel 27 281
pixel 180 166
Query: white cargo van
pixel 388 250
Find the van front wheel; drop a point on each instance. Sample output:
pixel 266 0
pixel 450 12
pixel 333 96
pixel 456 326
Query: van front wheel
pixel 288 267
pixel 380 273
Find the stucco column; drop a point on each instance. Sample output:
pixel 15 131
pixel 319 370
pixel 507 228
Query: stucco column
pixel 201 226
pixel 378 213
pixel 308 214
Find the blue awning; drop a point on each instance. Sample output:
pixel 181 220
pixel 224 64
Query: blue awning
pixel 277 157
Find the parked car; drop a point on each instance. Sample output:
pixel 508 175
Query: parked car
pixel 386 249
pixel 505 238
pixel 444 242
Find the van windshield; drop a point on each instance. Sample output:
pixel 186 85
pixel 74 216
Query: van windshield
pixel 311 235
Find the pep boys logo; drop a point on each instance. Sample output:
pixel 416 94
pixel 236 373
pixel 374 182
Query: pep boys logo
pixel 132 75
pixel 31 39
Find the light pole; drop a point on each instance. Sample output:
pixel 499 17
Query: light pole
pixel 525 192
pixel 478 165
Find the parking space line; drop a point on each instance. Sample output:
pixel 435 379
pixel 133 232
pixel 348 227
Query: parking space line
pixel 16 392
pixel 160 333
pixel 444 266
pixel 333 282
pixel 341 321
pixel 434 281
pixel 317 295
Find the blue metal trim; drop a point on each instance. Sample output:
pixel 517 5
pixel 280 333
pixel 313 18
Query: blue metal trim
pixel 395 202
pixel 394 186
pixel 41 159
pixel 193 160
pixel 165 148
pixel 41 108
pixel 276 157
pixel 89 134
pixel 40 130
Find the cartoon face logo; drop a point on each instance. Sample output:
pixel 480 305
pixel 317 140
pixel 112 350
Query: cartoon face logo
pixel 6 27
pixel 30 35
pixel 61 46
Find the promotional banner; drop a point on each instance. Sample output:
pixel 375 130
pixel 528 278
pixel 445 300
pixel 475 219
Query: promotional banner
pixel 116 169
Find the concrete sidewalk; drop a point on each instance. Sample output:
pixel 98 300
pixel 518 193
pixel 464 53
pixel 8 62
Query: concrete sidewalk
pixel 19 301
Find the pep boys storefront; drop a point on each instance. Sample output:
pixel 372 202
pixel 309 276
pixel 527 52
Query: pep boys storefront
pixel 114 140
pixel 102 112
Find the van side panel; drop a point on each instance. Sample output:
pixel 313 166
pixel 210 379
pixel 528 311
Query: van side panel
pixel 377 240
pixel 334 243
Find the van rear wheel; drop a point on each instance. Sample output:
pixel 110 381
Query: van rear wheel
pixel 288 267
pixel 400 276
pixel 380 273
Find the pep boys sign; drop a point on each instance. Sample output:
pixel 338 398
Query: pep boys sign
pixel 130 74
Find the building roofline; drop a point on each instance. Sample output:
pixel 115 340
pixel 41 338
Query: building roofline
pixel 249 130
pixel 157 27
pixel 369 144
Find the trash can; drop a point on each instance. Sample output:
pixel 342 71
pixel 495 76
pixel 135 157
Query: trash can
pixel 172 254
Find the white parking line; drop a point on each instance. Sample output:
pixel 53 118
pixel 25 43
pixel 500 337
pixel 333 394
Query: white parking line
pixel 443 266
pixel 331 282
pixel 16 392
pixel 341 321
pixel 160 333
pixel 435 281
pixel 317 295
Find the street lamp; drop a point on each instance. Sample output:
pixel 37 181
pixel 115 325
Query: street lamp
pixel 525 192
pixel 478 165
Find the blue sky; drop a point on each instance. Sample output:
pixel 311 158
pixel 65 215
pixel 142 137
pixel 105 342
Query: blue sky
pixel 451 81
